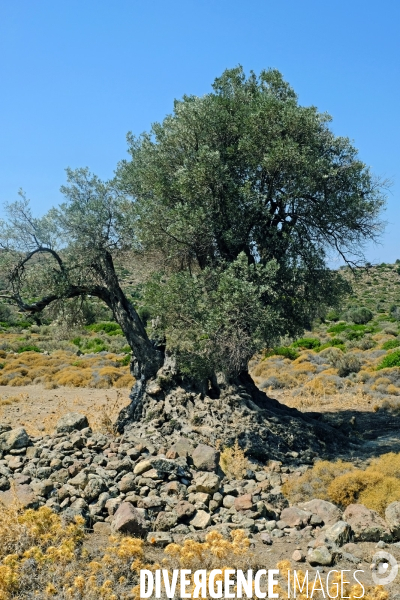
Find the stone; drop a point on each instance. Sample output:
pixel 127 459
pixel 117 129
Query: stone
pixel 340 533
pixel 207 482
pixel 228 501
pixel 127 483
pixel 77 440
pixel 112 505
pixel 298 556
pixel 201 520
pixel 266 538
pixel 23 494
pixel 153 503
pixel 165 521
pixel 78 508
pixel 80 481
pixel 392 517
pixel 366 524
pixel 70 422
pixel 295 517
pixel 128 519
pixel 327 511
pixel 42 488
pixel 165 465
pixel 14 439
pixel 142 467
pixel 102 528
pixel 93 489
pixel 244 502
pixel 353 549
pixel 44 472
pixel 66 491
pixel 320 557
pixel 205 458
pixel 184 510
pixel 33 452
pixel 183 447
pixel 159 539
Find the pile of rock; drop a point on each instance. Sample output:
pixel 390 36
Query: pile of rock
pixel 126 484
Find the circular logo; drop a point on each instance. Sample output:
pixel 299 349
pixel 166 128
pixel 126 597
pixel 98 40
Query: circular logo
pixel 384 568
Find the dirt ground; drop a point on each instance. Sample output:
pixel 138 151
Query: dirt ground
pixel 38 409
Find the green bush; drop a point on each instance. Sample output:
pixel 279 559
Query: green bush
pixel 339 328
pixel 308 343
pixel 361 316
pixel 333 315
pixel 283 351
pixel 28 348
pixel 390 344
pixel 124 362
pixel 390 360
pixel 108 328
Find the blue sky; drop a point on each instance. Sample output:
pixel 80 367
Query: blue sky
pixel 76 76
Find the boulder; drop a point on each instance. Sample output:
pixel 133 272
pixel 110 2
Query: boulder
pixel 327 511
pixel 160 539
pixel 366 524
pixel 127 483
pixel 153 503
pixel 298 556
pixel 266 538
pixel 142 467
pixel 205 458
pixel 183 447
pixel 93 489
pixel 184 510
pixel 21 494
pixel 14 439
pixel 71 421
pixel 340 533
pixel 228 501
pixel 80 481
pixel 42 488
pixel 295 517
pixel 244 502
pixel 128 519
pixel 392 517
pixel 201 520
pixel 165 521
pixel 79 508
pixel 320 556
pixel 102 528
pixel 206 482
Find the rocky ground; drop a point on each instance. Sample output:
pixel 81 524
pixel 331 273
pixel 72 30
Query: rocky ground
pixel 129 484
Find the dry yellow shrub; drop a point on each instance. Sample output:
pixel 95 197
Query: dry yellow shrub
pixel 63 368
pixel 346 489
pixel 376 486
pixel 233 461
pixel 322 385
pixel 314 483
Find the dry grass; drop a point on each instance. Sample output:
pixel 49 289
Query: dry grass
pixel 42 558
pixel 376 486
pixel 64 368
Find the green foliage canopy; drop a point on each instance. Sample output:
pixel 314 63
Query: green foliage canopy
pixel 245 172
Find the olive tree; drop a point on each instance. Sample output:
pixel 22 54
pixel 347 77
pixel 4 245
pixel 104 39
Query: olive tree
pixel 243 192
pixel 247 194
pixel 70 252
